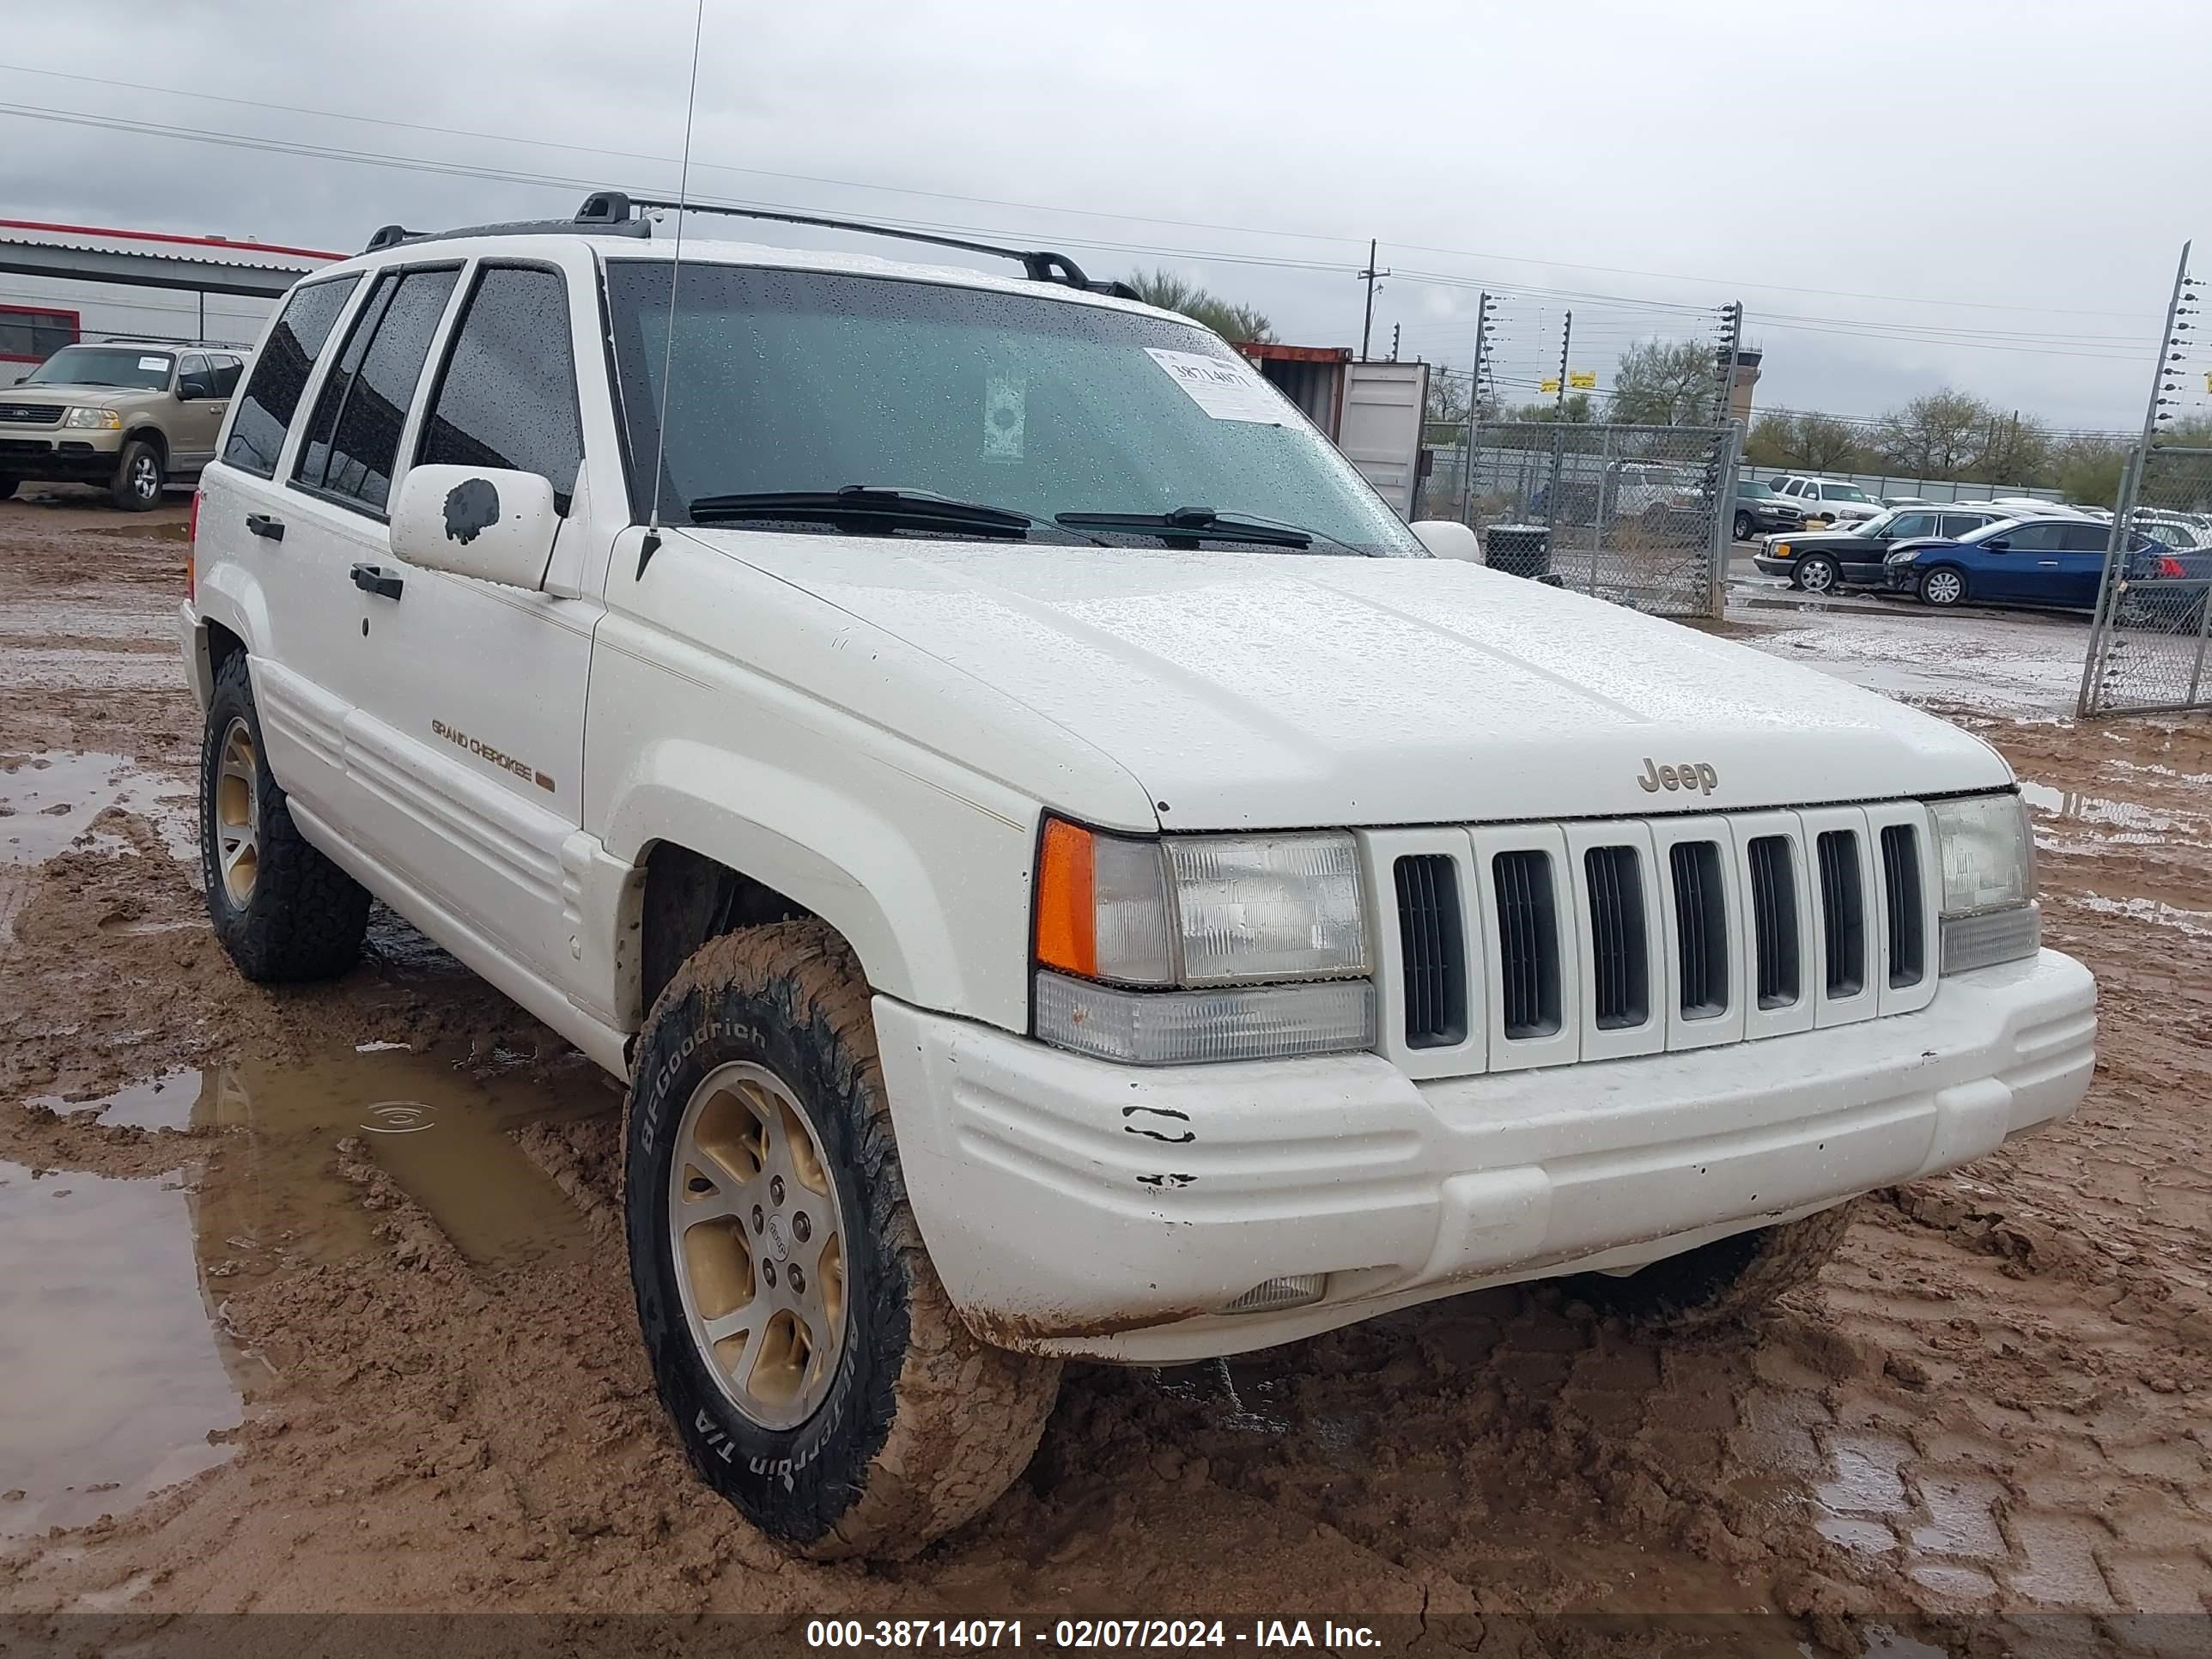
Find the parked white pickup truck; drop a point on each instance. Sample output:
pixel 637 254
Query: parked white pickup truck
pixel 1064 871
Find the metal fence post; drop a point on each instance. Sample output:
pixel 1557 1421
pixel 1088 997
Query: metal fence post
pixel 1730 445
pixel 2100 619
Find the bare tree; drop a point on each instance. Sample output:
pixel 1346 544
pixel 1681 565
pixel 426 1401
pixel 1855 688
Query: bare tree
pixel 1235 323
pixel 1937 436
pixel 1664 383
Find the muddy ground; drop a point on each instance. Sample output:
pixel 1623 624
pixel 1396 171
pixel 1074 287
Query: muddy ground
pixel 313 1300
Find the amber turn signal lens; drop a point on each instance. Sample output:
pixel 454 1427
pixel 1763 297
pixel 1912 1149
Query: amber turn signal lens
pixel 1067 907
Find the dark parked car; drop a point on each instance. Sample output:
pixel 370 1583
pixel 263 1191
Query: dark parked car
pixel 1821 561
pixel 1760 510
pixel 2044 561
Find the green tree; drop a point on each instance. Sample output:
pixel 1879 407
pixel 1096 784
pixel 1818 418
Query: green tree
pixel 1577 410
pixel 1233 322
pixel 1665 383
pixel 1816 443
pixel 2087 470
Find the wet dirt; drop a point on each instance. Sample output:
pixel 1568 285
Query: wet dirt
pixel 404 1367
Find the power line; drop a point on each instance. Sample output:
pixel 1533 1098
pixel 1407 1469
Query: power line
pixel 2040 346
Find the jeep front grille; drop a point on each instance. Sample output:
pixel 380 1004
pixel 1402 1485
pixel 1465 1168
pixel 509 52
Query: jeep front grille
pixel 1701 934
pixel 1774 918
pixel 1434 948
pixel 1842 912
pixel 1541 945
pixel 1620 958
pixel 1901 897
pixel 1528 943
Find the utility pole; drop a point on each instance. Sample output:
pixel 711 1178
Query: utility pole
pixel 1368 276
pixel 1731 348
pixel 1474 406
pixel 1566 336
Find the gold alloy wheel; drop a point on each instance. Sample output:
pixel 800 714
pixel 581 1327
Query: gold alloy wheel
pixel 759 1238
pixel 238 813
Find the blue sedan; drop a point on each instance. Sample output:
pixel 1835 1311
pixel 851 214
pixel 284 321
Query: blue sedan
pixel 2045 562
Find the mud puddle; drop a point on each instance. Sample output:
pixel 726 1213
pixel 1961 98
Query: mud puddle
pixel 2077 807
pixel 117 1371
pixel 48 800
pixel 437 1123
pixel 120 1377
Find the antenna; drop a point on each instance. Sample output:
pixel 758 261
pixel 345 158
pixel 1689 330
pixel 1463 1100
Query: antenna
pixel 650 545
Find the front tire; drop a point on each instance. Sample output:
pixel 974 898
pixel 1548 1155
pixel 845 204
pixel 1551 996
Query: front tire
pixel 850 1412
pixel 283 911
pixel 138 477
pixel 1942 587
pixel 1723 1282
pixel 1744 526
pixel 1818 575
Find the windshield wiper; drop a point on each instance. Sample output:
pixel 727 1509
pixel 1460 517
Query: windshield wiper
pixel 1194 524
pixel 864 508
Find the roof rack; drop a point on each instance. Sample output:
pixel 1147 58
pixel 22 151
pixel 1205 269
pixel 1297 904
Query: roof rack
pixel 612 213
pixel 172 340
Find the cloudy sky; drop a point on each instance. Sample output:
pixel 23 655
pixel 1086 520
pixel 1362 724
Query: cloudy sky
pixel 1987 194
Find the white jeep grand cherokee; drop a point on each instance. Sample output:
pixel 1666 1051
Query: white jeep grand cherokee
pixel 1064 871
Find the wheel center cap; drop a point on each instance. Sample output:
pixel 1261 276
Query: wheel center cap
pixel 777 1240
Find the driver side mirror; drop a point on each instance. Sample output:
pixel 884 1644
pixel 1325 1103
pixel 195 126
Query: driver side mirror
pixel 190 388
pixel 486 522
pixel 2000 545
pixel 1448 538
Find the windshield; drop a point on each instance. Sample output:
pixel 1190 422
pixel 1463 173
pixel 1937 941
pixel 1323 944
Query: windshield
pixel 1873 526
pixel 796 380
pixel 1752 487
pixel 89 365
pixel 1837 492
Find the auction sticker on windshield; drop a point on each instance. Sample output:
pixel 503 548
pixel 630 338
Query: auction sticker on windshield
pixel 1225 390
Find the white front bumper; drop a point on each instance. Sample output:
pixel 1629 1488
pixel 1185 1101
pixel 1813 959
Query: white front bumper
pixel 1076 1207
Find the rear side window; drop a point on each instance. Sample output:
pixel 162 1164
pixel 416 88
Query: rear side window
pixel 508 397
pixel 355 441
pixel 2087 537
pixel 280 374
pixel 1958 523
pixel 1907 525
pixel 227 371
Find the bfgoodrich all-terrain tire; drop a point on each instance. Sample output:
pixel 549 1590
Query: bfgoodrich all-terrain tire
pixel 282 911
pixel 1725 1280
pixel 816 1374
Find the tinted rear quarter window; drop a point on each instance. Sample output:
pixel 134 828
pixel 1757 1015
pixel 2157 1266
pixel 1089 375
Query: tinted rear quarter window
pixel 507 396
pixel 2087 537
pixel 280 374
pixel 1958 523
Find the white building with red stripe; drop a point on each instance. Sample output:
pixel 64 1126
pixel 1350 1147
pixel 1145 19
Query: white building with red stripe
pixel 61 283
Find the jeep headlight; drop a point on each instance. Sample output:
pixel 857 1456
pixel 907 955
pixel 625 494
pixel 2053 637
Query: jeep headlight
pixel 1987 852
pixel 1175 949
pixel 99 420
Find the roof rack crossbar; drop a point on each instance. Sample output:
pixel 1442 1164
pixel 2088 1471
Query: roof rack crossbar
pixel 1040 265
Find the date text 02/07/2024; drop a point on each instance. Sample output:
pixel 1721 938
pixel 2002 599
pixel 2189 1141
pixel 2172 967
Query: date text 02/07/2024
pixel 1078 1634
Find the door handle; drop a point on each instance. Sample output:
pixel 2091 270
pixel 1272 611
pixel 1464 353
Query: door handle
pixel 264 527
pixel 370 579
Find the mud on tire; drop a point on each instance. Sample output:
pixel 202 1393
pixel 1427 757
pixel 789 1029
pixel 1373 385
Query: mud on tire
pixel 1728 1280
pixel 300 917
pixel 921 1426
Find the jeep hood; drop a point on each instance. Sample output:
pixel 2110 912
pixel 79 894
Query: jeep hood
pixel 1244 688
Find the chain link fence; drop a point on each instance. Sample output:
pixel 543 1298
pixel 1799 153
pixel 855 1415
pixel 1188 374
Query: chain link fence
pixel 2148 645
pixel 1637 514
